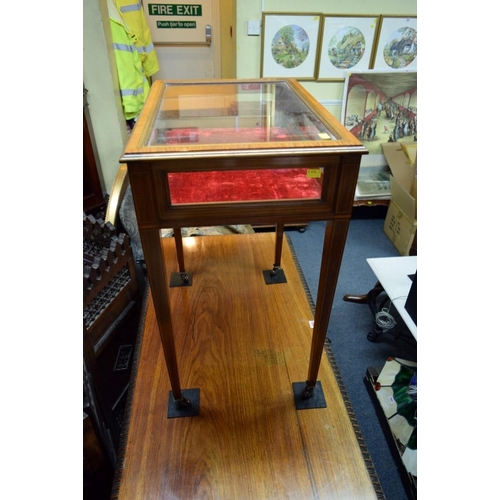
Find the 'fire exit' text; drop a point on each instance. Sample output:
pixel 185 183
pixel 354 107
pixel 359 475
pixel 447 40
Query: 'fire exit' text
pixel 161 9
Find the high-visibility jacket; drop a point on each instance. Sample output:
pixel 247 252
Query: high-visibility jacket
pixel 133 14
pixel 134 86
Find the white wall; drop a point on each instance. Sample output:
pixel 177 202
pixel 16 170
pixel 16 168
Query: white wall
pixel 248 48
pixel 101 81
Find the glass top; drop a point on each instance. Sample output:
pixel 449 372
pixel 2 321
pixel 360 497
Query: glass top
pixel 228 112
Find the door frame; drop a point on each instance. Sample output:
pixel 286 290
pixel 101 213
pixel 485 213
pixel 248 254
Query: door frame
pixel 216 45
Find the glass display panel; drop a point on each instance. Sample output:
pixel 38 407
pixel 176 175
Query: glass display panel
pixel 226 186
pixel 223 113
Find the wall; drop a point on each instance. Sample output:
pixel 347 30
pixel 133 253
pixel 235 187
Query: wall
pixel 248 48
pixel 101 81
pixel 228 34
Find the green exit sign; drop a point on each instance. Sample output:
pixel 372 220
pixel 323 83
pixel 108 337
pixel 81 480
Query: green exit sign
pixel 170 9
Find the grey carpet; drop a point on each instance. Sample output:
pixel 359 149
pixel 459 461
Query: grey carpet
pixel 349 326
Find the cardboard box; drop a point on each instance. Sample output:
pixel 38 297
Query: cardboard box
pixel 401 221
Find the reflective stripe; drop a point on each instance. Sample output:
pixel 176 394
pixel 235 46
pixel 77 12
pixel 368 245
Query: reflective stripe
pixel 132 92
pixel 146 50
pixel 124 47
pixel 131 8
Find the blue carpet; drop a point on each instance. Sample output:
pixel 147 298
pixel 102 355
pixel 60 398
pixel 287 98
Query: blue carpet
pixel 349 326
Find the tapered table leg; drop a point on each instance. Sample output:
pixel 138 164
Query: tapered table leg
pixel 279 245
pixel 182 278
pixel 151 243
pixel 333 248
pixel 276 274
pixel 179 249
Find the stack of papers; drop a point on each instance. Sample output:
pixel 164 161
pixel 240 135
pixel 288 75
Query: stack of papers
pixel 373 182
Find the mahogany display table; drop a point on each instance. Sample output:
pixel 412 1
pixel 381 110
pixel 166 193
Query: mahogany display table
pixel 233 133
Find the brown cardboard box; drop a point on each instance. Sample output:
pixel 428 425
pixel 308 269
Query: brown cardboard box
pixel 401 221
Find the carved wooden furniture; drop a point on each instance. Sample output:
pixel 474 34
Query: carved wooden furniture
pixel 97 468
pixel 110 300
pixel 230 127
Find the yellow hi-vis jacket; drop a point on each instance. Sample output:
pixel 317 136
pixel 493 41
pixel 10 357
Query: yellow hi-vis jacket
pixel 134 86
pixel 133 14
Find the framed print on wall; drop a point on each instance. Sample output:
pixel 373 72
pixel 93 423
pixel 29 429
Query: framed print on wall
pixel 289 45
pixel 346 43
pixel 379 107
pixel 396 43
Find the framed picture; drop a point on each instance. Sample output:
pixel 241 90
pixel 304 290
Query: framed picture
pixel 378 107
pixel 289 45
pixel 396 43
pixel 346 43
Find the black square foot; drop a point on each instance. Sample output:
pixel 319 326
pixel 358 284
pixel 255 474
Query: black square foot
pixel 181 279
pixel 317 399
pixel 178 409
pixel 271 277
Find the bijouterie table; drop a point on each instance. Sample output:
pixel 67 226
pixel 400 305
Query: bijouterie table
pixel 223 137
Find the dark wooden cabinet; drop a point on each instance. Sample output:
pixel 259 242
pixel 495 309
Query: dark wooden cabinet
pixel 93 197
pixel 111 315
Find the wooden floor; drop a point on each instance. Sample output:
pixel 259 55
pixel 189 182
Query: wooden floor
pixel 243 343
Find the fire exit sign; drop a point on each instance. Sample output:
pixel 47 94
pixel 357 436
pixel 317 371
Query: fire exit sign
pixel 169 9
pixel 179 23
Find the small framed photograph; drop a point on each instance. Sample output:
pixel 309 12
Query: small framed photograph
pixel 379 107
pixel 289 45
pixel 396 47
pixel 346 43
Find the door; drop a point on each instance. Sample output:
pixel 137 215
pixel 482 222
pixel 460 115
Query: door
pixel 186 38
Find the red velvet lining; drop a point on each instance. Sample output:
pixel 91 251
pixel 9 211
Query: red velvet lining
pixel 242 185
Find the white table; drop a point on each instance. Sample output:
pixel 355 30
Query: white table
pixel 393 274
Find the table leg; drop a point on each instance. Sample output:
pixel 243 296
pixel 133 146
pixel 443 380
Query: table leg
pixel 279 245
pixel 276 274
pixel 182 278
pixel 156 270
pixel 333 248
pixel 179 249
